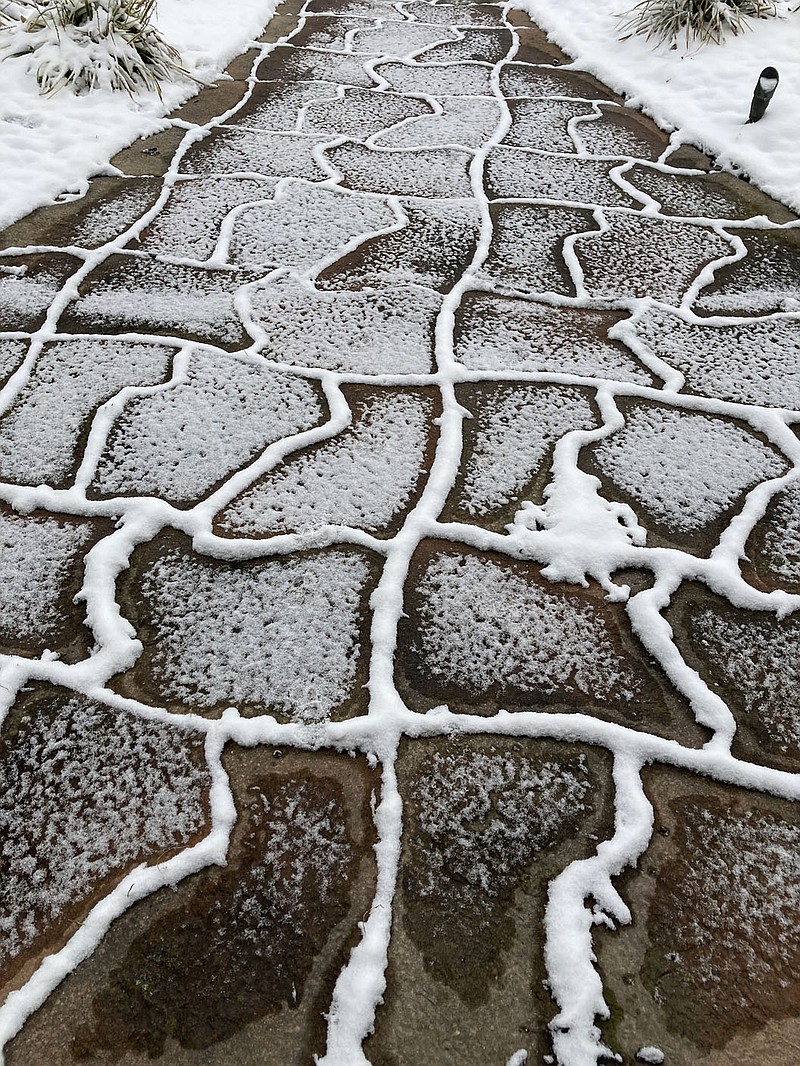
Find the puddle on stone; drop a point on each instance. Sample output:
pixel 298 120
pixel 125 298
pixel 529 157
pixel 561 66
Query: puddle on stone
pixel 137 292
pixel 750 659
pixel 424 172
pixel 467 121
pixel 287 636
pixel 476 45
pixel 508 447
pixel 639 257
pixel 766 280
pixel 303 225
pixel 487 824
pixel 710 961
pixel 518 174
pixel 439 79
pixel 684 474
pixel 505 334
pixel 236 966
pixel 41 572
pixel 368 476
pixel 188 226
pixel 542 124
pixel 526 248
pixel 433 249
pixel 481 633
pixel 88 792
pixel 43 434
pixel 361 113
pixel 378 331
pixel 28 285
pixel 181 442
pixel 745 362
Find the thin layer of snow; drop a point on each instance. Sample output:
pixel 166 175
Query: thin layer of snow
pixel 703 93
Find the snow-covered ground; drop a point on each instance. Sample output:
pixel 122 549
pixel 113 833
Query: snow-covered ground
pixel 703 93
pixel 49 145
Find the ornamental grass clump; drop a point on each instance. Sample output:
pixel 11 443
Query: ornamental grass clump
pixel 702 21
pixel 83 45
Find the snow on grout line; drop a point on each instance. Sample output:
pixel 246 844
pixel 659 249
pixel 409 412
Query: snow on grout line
pixel 141 882
pixel 575 983
pixel 361 985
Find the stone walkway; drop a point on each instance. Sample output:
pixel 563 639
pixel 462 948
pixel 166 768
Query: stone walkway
pixel 397 505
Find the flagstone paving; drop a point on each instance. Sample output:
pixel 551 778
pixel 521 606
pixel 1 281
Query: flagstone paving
pixel 400 561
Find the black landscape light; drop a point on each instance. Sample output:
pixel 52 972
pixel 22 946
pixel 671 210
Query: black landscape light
pixel 765 88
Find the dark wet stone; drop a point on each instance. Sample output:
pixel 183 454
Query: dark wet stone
pixel 520 79
pixel 237 966
pixel 88 792
pixel 276 105
pixel 433 249
pixel 708 969
pixel 305 64
pixel 749 658
pixel 487 824
pixel 773 550
pixel 716 196
pixel 621 132
pixel 218 634
pixel 483 633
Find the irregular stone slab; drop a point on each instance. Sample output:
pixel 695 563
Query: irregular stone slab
pixel 217 634
pixel 128 293
pixel 459 14
pixel 487 824
pixel 525 252
pixel 619 132
pixel 522 79
pixel 467 121
pixel 774 547
pixel 638 257
pixel 513 173
pixel 433 249
pixel 181 442
pixel 328 33
pixel 701 197
pixel 304 64
pixel 508 444
pixel 43 433
pixel 280 155
pixel 366 477
pixel 542 124
pixel 12 353
pixel 766 280
pixel 499 333
pixel 276 105
pixel 237 964
pixel 481 633
pixel 377 331
pixel 304 225
pixel 399 38
pixel 750 659
pixel 382 9
pixel 41 571
pixel 751 362
pixel 437 79
pixel 482 46
pixel 188 226
pixel 87 793
pixel 28 286
pixel 427 172
pixel 681 471
pixel 361 113
pixel 707 970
